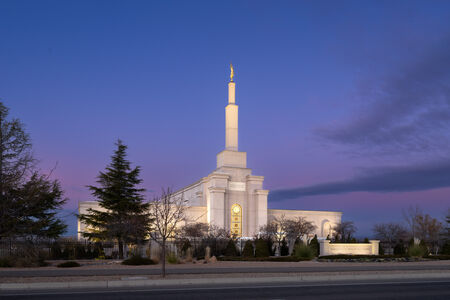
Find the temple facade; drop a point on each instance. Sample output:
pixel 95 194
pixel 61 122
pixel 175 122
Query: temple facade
pixel 231 197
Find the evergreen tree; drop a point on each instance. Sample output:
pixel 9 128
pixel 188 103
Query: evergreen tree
pixel 248 249
pixel 39 200
pixel 284 249
pixel 124 216
pixel 28 200
pixel 262 248
pixel 315 246
pixel 231 250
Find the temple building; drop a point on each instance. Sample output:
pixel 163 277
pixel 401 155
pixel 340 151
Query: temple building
pixel 231 197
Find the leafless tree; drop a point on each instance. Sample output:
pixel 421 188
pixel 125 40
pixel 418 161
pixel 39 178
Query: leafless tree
pixel 390 233
pixel 167 212
pixel 344 231
pixel 410 216
pixel 194 230
pixel 298 229
pixel 275 230
pixel 429 230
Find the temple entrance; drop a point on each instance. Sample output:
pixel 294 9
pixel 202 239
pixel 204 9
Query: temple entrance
pixel 236 220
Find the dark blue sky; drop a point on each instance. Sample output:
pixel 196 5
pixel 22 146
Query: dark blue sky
pixel 344 105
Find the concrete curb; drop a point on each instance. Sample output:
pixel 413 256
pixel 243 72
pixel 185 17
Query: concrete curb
pixel 202 281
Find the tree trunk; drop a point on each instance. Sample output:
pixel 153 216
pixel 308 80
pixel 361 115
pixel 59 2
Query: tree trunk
pixel 163 257
pixel 120 248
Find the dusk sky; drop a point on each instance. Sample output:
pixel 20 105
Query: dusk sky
pixel 344 105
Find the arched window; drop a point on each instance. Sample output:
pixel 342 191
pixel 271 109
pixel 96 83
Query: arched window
pixel 236 220
pixel 326 228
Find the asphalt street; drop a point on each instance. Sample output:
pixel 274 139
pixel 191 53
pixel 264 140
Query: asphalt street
pixel 211 270
pixel 347 290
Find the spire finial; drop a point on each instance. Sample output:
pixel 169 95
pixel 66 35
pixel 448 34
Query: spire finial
pixel 231 72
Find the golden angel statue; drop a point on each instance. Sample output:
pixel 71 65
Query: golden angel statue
pixel 232 72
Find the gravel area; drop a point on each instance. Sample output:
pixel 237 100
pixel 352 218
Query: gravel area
pixel 116 264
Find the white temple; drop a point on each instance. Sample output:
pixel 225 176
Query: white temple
pixel 231 197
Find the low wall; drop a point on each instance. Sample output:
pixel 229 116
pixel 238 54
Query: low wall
pixel 327 248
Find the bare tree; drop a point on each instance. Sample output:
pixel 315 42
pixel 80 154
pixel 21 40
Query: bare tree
pixel 275 230
pixel 390 233
pixel 344 231
pixel 429 230
pixel 167 212
pixel 410 216
pixel 298 229
pixel 194 233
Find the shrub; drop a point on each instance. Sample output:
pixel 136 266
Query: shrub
pixel 284 249
pixel 380 249
pixel 6 262
pixel 55 251
pixel 304 252
pixel 248 249
pixel 172 258
pixel 68 264
pixel 138 260
pixel 262 248
pixel 416 251
pixel 230 250
pixel 186 245
pixel 399 249
pixel 98 251
pixel 80 252
pixel 366 240
pixel 315 246
pixel 446 248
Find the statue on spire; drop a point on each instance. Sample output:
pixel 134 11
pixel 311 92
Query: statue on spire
pixel 232 72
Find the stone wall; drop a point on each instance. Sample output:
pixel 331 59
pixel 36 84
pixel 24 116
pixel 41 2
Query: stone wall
pixel 327 248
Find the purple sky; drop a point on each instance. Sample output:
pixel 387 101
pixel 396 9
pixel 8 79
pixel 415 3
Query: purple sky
pixel 344 105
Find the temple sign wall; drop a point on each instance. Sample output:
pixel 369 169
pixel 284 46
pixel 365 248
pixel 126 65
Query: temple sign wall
pixel 327 248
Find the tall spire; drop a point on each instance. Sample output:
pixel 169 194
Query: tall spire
pixel 231 116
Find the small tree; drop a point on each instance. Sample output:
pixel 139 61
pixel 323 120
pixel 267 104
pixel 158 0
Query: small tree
pixel 167 212
pixel 231 250
pixel 124 216
pixel 195 233
pixel 262 248
pixel 390 233
pixel 298 229
pixel 314 245
pixel 344 231
pixel 248 249
pixel 275 231
pixel 284 250
pixel 429 230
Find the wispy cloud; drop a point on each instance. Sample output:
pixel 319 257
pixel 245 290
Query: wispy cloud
pixel 383 179
pixel 407 111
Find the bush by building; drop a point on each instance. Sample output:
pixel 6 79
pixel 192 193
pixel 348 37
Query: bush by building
pixel 302 251
pixel 231 250
pixel 314 245
pixel 262 248
pixel 284 249
pixel 248 251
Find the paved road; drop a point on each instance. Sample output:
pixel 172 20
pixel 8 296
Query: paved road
pixel 348 291
pixel 211 270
